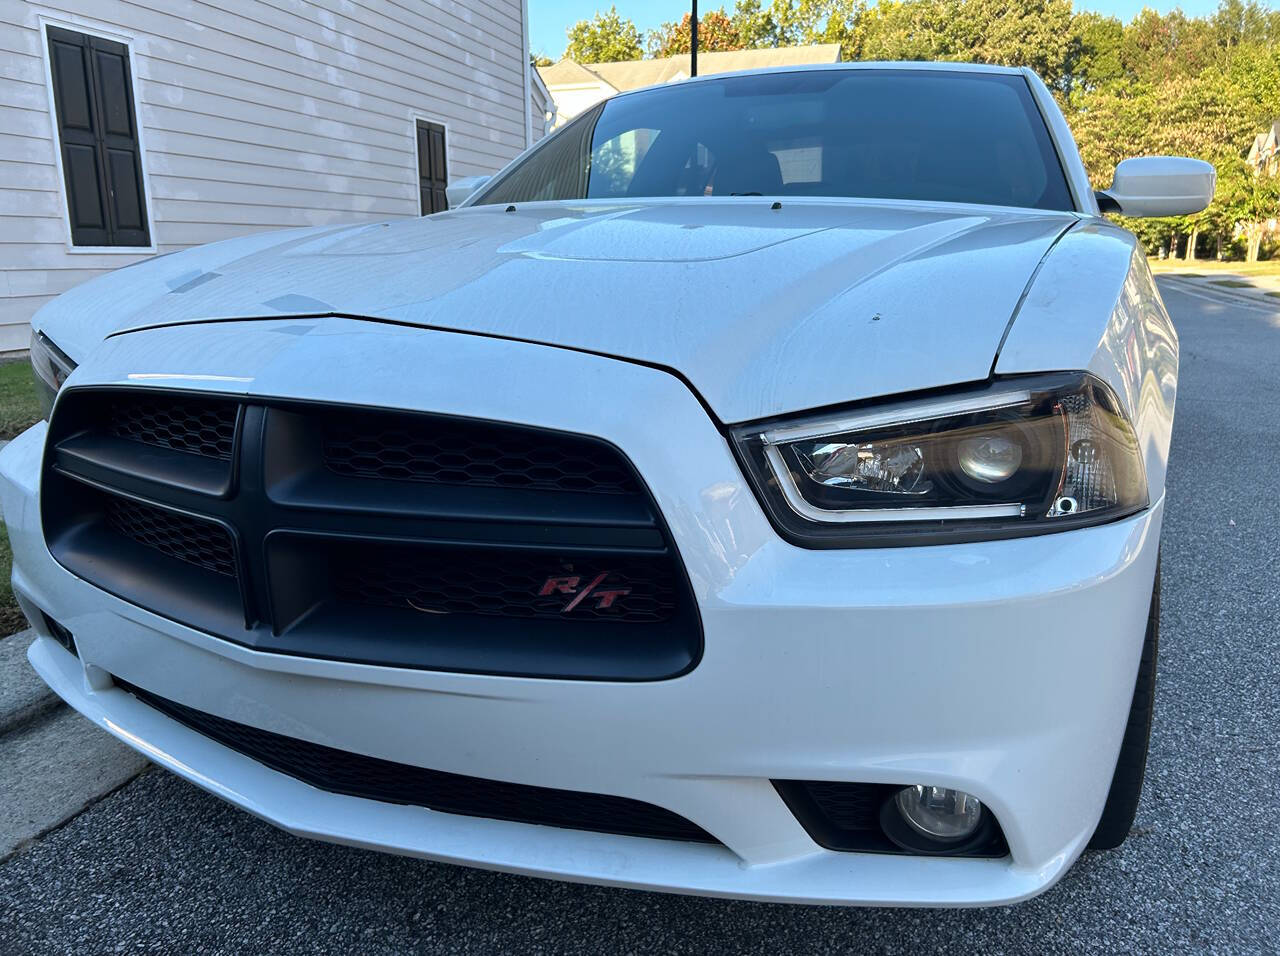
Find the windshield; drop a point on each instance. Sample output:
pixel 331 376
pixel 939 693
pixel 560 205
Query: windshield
pixel 874 134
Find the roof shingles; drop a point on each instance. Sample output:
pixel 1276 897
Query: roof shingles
pixel 633 74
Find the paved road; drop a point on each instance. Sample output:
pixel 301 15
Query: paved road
pixel 160 865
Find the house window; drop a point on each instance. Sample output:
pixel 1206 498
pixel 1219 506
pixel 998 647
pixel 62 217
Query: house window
pixel 98 136
pixel 433 176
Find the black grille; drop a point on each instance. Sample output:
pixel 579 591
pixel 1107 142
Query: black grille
pixel 205 427
pixel 453 452
pixel 506 584
pixel 357 775
pixel 380 537
pixel 201 543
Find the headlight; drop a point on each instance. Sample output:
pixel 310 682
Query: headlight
pixel 51 367
pixel 1022 456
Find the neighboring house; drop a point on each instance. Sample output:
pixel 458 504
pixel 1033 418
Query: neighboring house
pixel 1264 154
pixel 1264 157
pixel 133 129
pixel 576 87
pixel 542 106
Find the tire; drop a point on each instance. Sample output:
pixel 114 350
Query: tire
pixel 1126 783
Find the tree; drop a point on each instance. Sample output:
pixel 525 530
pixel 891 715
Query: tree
pixel 1161 46
pixel 755 25
pixel 1249 199
pixel 1034 33
pixel 1097 53
pixel 538 59
pixel 716 31
pixel 604 38
pixel 804 22
pixel 1238 23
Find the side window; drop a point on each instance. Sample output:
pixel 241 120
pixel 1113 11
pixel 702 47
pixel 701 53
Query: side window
pixel 557 169
pixel 98 135
pixel 433 174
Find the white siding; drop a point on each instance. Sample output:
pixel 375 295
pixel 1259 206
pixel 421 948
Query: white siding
pixel 256 114
pixel 574 99
pixel 541 107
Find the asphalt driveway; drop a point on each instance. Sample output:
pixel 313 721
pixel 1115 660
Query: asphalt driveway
pixel 160 865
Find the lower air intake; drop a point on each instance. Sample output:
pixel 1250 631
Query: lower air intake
pixel 356 775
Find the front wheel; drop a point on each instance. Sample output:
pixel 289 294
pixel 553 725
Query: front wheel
pixel 1126 784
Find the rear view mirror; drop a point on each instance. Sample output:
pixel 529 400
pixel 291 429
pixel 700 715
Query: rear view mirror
pixel 460 190
pixel 1159 186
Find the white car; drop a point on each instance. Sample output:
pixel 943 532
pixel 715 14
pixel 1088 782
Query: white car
pixel 754 491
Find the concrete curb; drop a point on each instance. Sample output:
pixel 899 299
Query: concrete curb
pixel 1254 298
pixel 24 697
pixel 53 770
pixel 53 763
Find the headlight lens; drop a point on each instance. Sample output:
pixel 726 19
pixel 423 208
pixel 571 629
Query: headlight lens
pixel 1021 456
pixel 51 366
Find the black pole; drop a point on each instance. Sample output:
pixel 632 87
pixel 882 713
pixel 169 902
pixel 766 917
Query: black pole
pixel 693 40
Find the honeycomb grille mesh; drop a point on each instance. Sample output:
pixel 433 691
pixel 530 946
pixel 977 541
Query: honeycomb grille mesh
pixel 848 806
pixel 509 584
pixel 473 453
pixel 201 543
pixel 197 427
pixel 372 778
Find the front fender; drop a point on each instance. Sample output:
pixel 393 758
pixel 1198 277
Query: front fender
pixel 1094 305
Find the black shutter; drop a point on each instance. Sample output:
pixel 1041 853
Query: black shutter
pixel 98 130
pixel 433 176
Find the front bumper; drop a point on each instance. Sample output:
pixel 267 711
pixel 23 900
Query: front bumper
pixel 1004 668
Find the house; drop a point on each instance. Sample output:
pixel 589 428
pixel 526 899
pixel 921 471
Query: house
pixel 1264 157
pixel 576 87
pixel 135 129
pixel 1264 154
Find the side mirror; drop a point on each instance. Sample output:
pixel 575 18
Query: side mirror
pixel 460 190
pixel 1159 186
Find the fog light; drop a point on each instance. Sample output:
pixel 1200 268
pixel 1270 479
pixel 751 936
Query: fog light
pixel 940 813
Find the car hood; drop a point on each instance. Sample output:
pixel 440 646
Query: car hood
pixel 762 310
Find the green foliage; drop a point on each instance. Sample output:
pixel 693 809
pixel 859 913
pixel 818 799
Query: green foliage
pixel 1097 53
pixel 1034 33
pixel 805 22
pixel 755 24
pixel 1249 199
pixel 1167 45
pixel 604 38
pixel 716 31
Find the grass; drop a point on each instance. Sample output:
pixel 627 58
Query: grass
pixel 19 406
pixel 1205 267
pixel 19 409
pixel 12 619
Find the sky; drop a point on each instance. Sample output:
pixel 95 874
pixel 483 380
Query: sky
pixel 548 19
